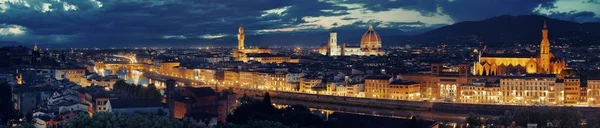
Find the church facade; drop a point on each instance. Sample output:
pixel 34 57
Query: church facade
pixel 514 64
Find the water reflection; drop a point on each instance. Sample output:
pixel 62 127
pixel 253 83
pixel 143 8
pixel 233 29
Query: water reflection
pixel 327 108
pixel 132 77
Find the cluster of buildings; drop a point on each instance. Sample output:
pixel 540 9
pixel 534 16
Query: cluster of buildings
pixel 521 79
pixel 262 55
pixel 370 45
pixel 51 92
pixel 49 102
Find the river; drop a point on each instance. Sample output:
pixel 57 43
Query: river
pixel 318 107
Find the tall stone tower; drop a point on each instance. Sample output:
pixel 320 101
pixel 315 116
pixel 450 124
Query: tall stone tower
pixel 35 47
pixel 241 38
pixel 332 45
pixel 544 63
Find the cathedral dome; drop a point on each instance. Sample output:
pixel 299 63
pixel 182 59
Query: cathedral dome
pixel 370 37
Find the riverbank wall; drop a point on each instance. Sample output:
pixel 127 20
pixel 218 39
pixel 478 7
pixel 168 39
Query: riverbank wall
pixel 446 107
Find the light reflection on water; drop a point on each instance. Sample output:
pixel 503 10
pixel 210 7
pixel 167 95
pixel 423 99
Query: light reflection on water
pixel 134 77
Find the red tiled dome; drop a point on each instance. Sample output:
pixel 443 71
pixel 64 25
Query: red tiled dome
pixel 370 36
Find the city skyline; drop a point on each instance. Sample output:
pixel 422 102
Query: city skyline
pixel 93 23
pixel 299 63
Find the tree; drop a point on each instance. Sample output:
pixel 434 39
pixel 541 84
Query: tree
pixel 559 117
pixel 120 85
pixel 7 110
pixel 473 120
pixel 152 91
pixel 252 110
pixel 111 120
pixel 267 99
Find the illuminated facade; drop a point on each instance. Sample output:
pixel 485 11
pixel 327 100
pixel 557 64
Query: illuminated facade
pixel 376 87
pixel 441 85
pixel 480 92
pixel 508 64
pixel 572 90
pixel 593 90
pixel 384 87
pixel 267 58
pixel 529 89
pixel 76 75
pixel 241 51
pixel 231 78
pixel 308 84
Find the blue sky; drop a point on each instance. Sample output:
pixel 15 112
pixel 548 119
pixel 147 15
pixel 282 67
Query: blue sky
pixel 105 23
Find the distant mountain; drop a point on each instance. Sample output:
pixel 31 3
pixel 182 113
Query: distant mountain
pixel 351 36
pixel 506 29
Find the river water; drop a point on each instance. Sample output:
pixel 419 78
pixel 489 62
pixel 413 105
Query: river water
pixel 318 107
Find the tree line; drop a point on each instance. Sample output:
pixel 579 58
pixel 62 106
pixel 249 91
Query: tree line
pixel 149 91
pixel 542 116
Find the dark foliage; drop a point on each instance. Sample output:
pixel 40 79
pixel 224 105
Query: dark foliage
pixel 137 90
pixel 254 110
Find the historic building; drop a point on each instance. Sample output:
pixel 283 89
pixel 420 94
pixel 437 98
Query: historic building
pixel 437 84
pixel 262 55
pixel 480 91
pixel 593 90
pixel 370 45
pixel 530 89
pixel 506 64
pixel 572 86
pixel 386 87
pixel 241 51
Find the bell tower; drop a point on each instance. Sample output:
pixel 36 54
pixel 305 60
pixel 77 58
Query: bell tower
pixel 545 51
pixel 241 37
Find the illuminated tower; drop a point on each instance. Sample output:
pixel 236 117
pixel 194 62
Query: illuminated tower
pixel 332 48
pixel 19 77
pixel 241 38
pixel 545 51
pixel 35 47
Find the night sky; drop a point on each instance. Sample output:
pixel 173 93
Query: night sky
pixel 110 23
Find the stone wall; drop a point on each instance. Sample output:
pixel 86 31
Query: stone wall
pixel 460 108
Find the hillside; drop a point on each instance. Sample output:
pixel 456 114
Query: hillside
pixel 511 29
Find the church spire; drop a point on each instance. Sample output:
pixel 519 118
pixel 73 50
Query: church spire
pixel 545 27
pixel 19 78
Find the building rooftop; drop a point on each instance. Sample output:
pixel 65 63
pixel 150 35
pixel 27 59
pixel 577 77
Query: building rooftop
pixel 203 91
pixel 403 82
pixel 379 77
pixel 509 55
pixel 264 55
pixel 532 76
